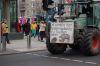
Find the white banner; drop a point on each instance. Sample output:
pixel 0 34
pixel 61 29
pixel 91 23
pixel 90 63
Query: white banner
pixel 62 32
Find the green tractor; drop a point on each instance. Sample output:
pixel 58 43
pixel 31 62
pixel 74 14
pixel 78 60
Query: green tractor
pixel 79 29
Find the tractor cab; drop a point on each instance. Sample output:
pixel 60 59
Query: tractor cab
pixel 84 12
pixel 77 27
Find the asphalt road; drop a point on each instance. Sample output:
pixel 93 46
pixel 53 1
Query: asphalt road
pixel 44 58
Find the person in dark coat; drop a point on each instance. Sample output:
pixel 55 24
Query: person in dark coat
pixel 27 27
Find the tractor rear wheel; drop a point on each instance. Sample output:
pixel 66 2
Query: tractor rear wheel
pixel 52 47
pixel 90 41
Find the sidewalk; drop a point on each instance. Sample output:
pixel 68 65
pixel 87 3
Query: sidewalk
pixel 20 46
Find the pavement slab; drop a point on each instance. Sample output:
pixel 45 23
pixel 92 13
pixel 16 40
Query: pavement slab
pixel 20 46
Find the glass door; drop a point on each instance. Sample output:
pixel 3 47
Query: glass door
pixel 13 14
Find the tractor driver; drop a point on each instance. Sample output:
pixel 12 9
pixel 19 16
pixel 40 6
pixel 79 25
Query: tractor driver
pixel 89 13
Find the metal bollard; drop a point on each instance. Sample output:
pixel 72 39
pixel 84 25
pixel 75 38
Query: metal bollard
pixel 0 42
pixel 28 41
pixel 3 43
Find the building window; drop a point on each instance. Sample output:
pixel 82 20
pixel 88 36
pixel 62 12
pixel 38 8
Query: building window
pixel 22 13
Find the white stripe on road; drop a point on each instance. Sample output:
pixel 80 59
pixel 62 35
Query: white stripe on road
pixel 44 56
pixel 90 62
pixel 66 59
pixel 78 61
pixel 36 54
pixel 54 57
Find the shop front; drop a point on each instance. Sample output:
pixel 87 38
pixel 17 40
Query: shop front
pixel 8 11
pixel 0 9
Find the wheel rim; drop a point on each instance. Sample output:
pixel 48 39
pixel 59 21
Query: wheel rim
pixel 95 42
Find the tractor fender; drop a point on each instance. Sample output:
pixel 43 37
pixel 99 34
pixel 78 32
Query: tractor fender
pixel 92 26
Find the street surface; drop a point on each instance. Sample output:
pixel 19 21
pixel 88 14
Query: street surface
pixel 44 58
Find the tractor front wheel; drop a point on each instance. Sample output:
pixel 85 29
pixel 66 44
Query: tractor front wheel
pixel 56 48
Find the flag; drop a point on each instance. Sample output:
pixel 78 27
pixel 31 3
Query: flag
pixel 23 20
pixel 33 19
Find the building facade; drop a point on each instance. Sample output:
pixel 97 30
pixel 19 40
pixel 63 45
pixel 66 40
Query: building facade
pixel 25 8
pixel 8 10
pixel 29 8
pixel 39 8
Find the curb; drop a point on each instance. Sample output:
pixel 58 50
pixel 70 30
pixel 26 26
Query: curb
pixel 21 52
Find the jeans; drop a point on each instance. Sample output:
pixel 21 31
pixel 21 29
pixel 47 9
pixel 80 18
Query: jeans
pixel 7 39
pixel 34 33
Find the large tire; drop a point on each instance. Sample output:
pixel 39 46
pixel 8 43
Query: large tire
pixel 56 48
pixel 90 44
pixel 77 41
pixel 76 45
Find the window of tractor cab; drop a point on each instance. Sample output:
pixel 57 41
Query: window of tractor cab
pixel 97 10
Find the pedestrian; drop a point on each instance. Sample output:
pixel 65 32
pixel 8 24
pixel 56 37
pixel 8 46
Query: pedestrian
pixel 5 30
pixel 18 26
pixel 23 21
pixel 37 31
pixel 42 30
pixel 23 28
pixel 27 27
pixel 33 29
